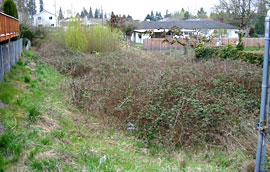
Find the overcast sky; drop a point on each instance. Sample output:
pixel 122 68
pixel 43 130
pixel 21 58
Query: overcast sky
pixel 138 9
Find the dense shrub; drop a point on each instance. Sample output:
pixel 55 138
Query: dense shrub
pixel 27 32
pixel 228 52
pixel 203 52
pixel 93 38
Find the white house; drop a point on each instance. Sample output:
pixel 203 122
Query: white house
pixel 45 18
pixel 188 27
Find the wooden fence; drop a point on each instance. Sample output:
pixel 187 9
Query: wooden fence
pixel 156 43
pixel 9 27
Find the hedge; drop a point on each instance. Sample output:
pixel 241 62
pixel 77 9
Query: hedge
pixel 228 52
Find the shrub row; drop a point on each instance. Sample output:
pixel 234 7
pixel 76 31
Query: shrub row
pixel 228 52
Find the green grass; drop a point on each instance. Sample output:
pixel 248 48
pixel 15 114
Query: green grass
pixel 45 132
pixel 253 48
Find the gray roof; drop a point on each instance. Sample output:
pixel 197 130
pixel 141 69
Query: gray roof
pixel 186 24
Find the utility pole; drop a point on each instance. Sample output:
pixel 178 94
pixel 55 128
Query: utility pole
pixel 102 15
pixel 56 23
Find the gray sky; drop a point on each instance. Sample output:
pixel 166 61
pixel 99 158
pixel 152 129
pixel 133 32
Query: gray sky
pixel 138 9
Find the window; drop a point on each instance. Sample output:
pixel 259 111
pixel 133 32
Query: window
pixel 52 24
pixel 39 18
pixel 40 25
pixel 50 17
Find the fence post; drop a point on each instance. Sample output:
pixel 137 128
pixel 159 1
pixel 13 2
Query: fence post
pixel 21 46
pixel 12 53
pixel 264 93
pixel 6 60
pixel 16 51
pixel 1 64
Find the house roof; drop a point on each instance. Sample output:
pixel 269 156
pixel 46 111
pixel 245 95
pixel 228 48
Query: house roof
pixel 44 11
pixel 185 24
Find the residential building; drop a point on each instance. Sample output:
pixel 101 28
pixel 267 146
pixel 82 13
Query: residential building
pixel 45 19
pixel 206 27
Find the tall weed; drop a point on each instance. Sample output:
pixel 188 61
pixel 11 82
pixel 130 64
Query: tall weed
pixel 91 38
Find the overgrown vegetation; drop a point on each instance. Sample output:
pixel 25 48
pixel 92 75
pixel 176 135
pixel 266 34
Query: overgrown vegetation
pixel 91 38
pixel 45 132
pixel 171 102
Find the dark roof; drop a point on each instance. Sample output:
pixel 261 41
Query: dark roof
pixel 185 24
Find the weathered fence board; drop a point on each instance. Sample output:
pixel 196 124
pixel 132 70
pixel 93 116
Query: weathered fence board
pixel 1 64
pixel 158 44
pixel 6 58
pixel 9 56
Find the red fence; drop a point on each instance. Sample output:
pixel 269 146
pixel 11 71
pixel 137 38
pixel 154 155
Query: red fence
pixel 9 27
pixel 156 43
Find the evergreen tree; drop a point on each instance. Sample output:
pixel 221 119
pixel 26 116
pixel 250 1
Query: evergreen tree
pixel 90 14
pixel 167 15
pixel 101 15
pixel 77 15
pixel 202 14
pixel 113 21
pixel 187 15
pixel 41 5
pixel 96 13
pixel 31 8
pixel 260 17
pixel 148 17
pixel 105 16
pixel 9 7
pixel 152 15
pixel 129 17
pixel 61 16
pixel 84 13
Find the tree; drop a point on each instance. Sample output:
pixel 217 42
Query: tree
pixel 31 8
pixel 167 15
pixel 202 14
pixel 61 16
pixel 96 13
pixel 179 14
pixel 148 18
pixel 41 5
pixel 237 12
pixel 113 21
pixel 101 15
pixel 9 7
pixel 21 6
pixel 84 13
pixel 105 16
pixel 125 24
pixel 259 22
pixel 158 16
pixel 152 15
pixel 90 14
pixel 186 15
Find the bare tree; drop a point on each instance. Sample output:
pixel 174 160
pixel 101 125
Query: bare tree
pixel 237 12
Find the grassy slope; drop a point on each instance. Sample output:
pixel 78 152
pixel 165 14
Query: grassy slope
pixel 45 132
